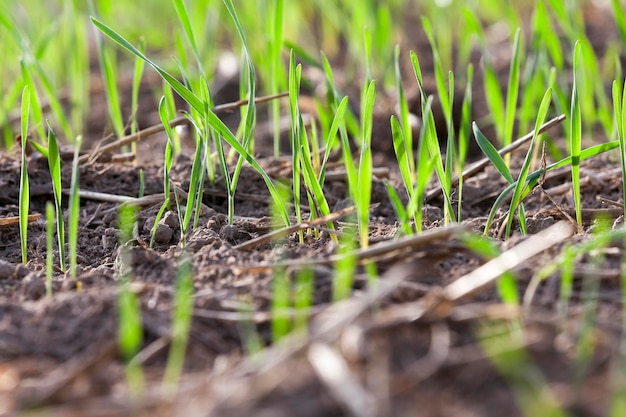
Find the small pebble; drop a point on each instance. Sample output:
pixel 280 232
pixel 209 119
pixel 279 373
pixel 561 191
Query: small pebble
pixel 163 233
pixel 6 270
pixel 170 219
pixel 33 287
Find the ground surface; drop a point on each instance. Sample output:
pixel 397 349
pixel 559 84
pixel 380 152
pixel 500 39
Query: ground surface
pixel 59 354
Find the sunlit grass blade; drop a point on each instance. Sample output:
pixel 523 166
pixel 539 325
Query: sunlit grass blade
pixel 197 104
pixel 403 132
pixel 276 29
pixel 181 325
pixel 442 91
pixel 464 135
pixel 180 89
pixel 24 187
pixel 403 155
pixel 74 209
pixel 294 93
pixel 54 164
pixel 49 247
pixel 35 111
pixel 331 139
pixel 619 101
pixel 399 208
pixel 575 139
pixel 281 324
pixel 534 178
pixel 529 388
pixel 492 154
pixel 130 330
pixel 134 106
pixel 431 141
pixel 364 188
pixel 512 91
pixel 521 179
pixel 108 68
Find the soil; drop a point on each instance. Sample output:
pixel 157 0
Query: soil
pixel 373 354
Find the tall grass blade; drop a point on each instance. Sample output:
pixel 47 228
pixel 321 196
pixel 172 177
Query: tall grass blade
pixel 24 187
pixel 54 164
pixel 576 133
pixel 74 209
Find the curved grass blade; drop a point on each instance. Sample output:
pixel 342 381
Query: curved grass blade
pixel 576 134
pixel 516 201
pixel 54 164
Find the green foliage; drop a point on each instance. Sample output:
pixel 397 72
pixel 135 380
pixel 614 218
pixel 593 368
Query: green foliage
pixel 24 188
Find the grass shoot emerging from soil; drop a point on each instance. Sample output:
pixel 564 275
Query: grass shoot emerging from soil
pixel 346 242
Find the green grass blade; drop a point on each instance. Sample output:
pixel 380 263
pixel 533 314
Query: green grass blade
pixel 24 194
pixel 402 155
pixel 492 153
pixel 364 187
pixel 54 164
pixel 521 179
pixel 180 89
pixel 49 247
pixel 576 134
pixel 512 91
pixel 331 139
pixel 181 325
pixel 74 209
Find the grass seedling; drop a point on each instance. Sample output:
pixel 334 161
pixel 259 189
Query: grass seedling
pixel 276 31
pixel 35 103
pixel 130 330
pixel 575 139
pixel 74 209
pixel 464 136
pixel 49 247
pixel 619 105
pixel 362 193
pixel 134 101
pixel 402 132
pixel 424 169
pixel 345 268
pixel 432 142
pixel 281 323
pixel 303 298
pixel 297 134
pixel 54 164
pixel 520 190
pixel 618 400
pixel 181 325
pixel 197 104
pixel 108 68
pixel 529 388
pixel 75 39
pixel 24 188
pixel 534 178
pixel 512 92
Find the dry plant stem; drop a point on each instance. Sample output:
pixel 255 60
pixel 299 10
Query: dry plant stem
pixel 327 326
pixel 440 303
pixel 488 273
pixel 333 371
pixel 152 130
pixel 15 221
pixel 480 165
pixel 277 234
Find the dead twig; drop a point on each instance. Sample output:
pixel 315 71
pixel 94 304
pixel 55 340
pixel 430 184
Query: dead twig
pixel 179 121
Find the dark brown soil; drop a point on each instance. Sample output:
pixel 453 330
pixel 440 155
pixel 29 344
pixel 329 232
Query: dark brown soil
pixel 59 355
